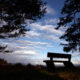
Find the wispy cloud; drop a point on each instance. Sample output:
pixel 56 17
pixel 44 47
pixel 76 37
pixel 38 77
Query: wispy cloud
pixel 32 34
pixel 32 43
pixel 2 23
pixel 51 21
pixel 20 58
pixel 52 38
pixel 50 29
pixel 26 52
pixel 47 31
pixel 50 10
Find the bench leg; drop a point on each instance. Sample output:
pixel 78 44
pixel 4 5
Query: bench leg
pixel 69 65
pixel 50 66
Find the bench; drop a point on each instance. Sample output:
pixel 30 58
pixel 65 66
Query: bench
pixel 50 62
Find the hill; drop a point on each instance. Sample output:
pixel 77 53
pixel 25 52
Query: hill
pixel 30 72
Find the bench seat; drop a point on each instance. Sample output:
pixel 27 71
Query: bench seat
pixel 54 61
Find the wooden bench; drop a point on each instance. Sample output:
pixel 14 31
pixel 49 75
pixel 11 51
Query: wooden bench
pixel 50 63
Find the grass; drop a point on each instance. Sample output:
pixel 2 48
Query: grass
pixel 30 72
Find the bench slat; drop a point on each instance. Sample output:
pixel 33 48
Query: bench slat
pixel 58 55
pixel 54 61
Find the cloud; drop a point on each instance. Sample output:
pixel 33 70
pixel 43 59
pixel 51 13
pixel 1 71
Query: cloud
pixel 37 38
pixel 2 23
pixel 50 10
pixel 51 21
pixel 24 58
pixel 26 52
pixel 52 38
pixel 32 34
pixel 26 47
pixel 76 57
pixel 50 29
pixel 33 43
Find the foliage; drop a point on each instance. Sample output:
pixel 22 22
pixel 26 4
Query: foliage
pixel 15 14
pixel 71 20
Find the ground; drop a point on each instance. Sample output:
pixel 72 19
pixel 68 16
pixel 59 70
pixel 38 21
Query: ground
pixel 30 72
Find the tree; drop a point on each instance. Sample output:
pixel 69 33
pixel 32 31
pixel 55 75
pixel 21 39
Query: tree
pixel 71 20
pixel 14 15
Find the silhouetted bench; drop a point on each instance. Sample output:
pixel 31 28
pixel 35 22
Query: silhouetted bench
pixel 50 63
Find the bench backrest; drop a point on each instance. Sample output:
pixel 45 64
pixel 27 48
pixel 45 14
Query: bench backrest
pixel 58 55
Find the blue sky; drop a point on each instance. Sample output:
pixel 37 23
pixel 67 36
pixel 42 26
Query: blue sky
pixel 42 38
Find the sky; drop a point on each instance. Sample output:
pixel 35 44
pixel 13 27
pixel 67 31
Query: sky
pixel 41 39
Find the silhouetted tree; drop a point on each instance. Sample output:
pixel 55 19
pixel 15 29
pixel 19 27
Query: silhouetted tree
pixel 71 20
pixel 14 15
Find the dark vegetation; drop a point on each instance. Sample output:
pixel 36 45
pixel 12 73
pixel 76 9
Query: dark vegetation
pixel 70 19
pixel 15 15
pixel 38 72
